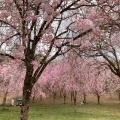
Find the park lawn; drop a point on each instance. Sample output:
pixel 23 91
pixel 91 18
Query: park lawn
pixel 91 111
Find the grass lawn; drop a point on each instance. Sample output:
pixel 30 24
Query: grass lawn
pixel 91 111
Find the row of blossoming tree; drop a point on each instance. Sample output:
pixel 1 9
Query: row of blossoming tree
pixel 66 76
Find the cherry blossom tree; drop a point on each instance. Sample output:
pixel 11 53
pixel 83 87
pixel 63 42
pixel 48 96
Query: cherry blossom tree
pixel 72 74
pixel 11 80
pixel 112 85
pixel 51 77
pixel 36 32
pixel 96 77
pixel 97 85
pixel 106 42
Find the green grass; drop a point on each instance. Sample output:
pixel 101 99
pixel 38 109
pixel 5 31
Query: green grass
pixel 91 111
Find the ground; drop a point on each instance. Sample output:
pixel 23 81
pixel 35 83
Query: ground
pixel 108 110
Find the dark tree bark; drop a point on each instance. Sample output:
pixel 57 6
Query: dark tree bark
pixel 71 96
pixel 26 100
pixel 28 85
pixel 119 96
pixel 75 100
pixel 41 98
pixel 64 95
pixel 98 99
pixel 84 96
pixel 4 99
pixel 60 93
pixel 54 96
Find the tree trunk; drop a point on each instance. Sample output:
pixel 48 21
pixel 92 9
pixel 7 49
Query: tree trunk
pixel 27 90
pixel 71 94
pixel 4 99
pixel 60 93
pixel 64 95
pixel 54 97
pixel 41 98
pixel 84 96
pixel 26 102
pixel 98 99
pixel 29 82
pixel 119 96
pixel 24 109
pixel 75 99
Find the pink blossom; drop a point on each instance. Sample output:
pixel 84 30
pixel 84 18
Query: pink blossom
pixel 4 14
pixel 43 6
pixel 96 32
pixel 18 55
pixel 47 17
pixel 28 19
pixel 55 3
pixel 83 24
pixel 9 1
pixel 21 48
pixel 17 62
pixel 24 39
pixel 55 14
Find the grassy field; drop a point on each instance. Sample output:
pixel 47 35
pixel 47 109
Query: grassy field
pixel 91 111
